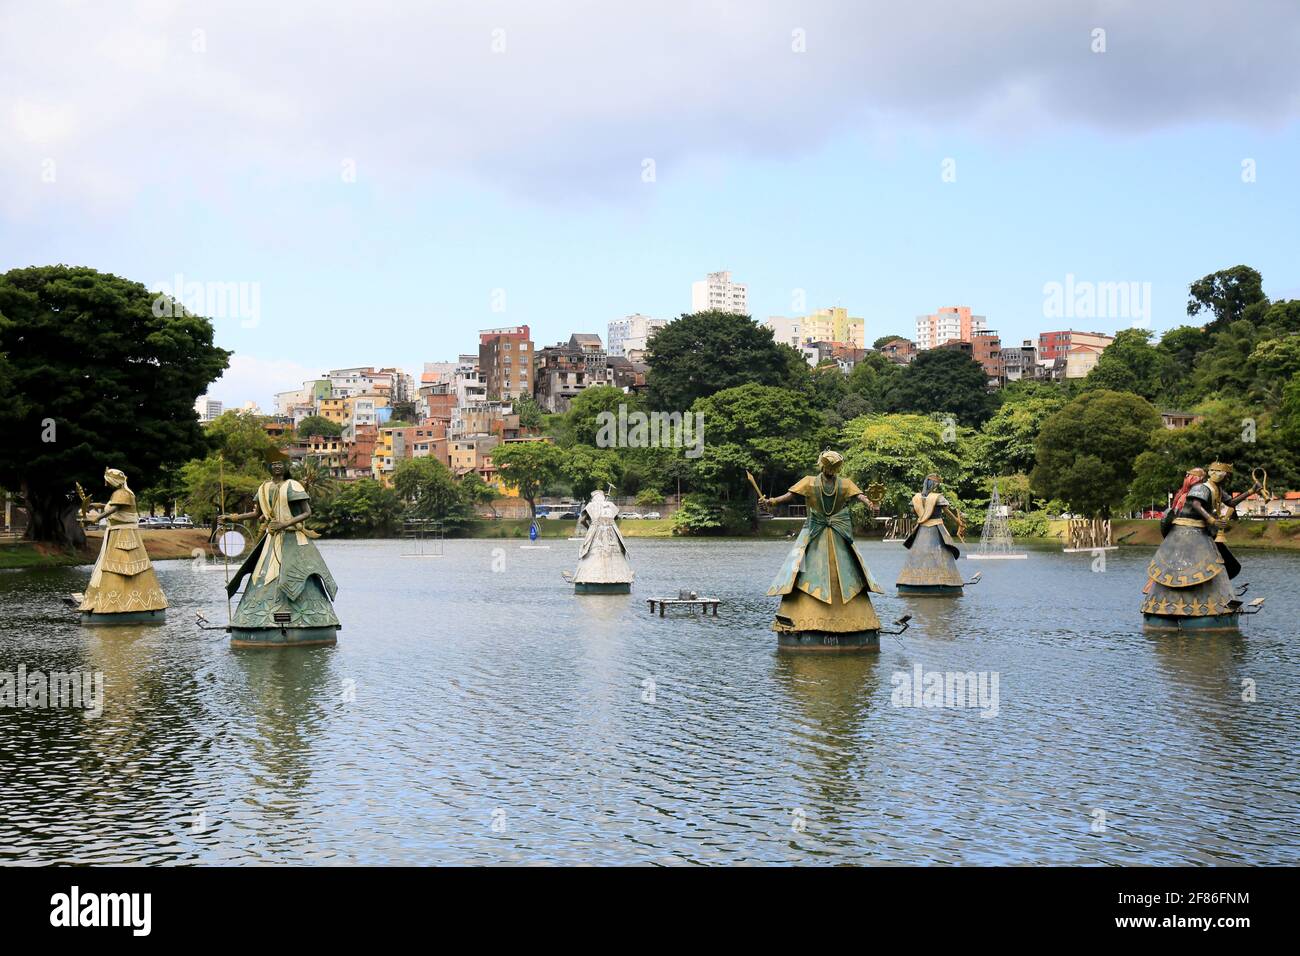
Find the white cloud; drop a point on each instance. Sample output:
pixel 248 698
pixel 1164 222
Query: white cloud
pixel 121 98
pixel 253 379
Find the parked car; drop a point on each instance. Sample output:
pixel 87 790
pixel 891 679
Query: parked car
pixel 552 516
pixel 182 522
pixel 652 516
pixel 161 521
pixel 1152 513
pixel 624 516
pixel 571 515
pixel 1279 513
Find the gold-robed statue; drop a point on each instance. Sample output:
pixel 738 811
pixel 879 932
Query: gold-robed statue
pixel 1189 578
pixel 931 565
pixel 825 584
pixel 123 587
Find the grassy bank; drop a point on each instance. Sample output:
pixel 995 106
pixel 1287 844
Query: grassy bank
pixel 1277 535
pixel 161 545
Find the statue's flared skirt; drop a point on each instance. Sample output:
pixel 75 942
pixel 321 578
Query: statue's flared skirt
pixel 1187 577
pixel 604 563
pixel 929 563
pixel 261 602
pixel 124 594
pixel 800 611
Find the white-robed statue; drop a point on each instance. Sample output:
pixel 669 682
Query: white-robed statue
pixel 603 567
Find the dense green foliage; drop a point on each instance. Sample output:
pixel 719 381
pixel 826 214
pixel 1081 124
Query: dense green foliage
pixel 316 425
pixel 1087 449
pixel 93 378
pixel 706 352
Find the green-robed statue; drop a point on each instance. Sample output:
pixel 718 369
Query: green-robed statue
pixel 825 584
pixel 290 589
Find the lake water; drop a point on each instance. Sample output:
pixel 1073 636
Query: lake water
pixel 476 711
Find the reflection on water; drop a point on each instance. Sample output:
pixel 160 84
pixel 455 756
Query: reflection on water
pixel 475 715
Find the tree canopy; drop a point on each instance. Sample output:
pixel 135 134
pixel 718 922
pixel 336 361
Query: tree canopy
pixel 528 466
pixel 943 380
pixel 95 379
pixel 706 352
pixel 318 425
pixel 1086 450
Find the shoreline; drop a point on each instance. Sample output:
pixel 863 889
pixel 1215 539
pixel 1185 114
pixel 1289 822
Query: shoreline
pixel 178 544
pixel 162 545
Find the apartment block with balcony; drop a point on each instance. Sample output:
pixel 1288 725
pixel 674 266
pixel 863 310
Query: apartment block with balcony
pixel 505 362
pixel 1055 345
pixel 954 322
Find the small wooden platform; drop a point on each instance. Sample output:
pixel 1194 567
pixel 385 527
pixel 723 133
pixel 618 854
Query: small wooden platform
pixel 704 604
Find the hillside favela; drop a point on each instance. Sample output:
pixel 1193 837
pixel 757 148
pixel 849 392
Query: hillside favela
pixel 853 437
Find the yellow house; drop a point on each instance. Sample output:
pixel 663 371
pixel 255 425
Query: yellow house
pixel 381 463
pixel 335 410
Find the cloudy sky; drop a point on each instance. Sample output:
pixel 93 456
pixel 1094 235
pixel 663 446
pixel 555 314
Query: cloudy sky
pixel 387 178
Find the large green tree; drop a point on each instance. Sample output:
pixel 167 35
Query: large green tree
pixel 773 433
pixel 358 509
pixel 431 492
pixel 900 450
pixel 97 379
pixel 1228 295
pixel 1230 431
pixel 228 477
pixel 1006 445
pixel 528 466
pixel 945 381
pixel 1132 364
pixel 1086 451
pixel 706 352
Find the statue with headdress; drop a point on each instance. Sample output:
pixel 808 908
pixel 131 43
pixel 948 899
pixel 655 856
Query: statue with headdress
pixel 1189 579
pixel 603 567
pixel 290 589
pixel 123 587
pixel 825 584
pixel 931 565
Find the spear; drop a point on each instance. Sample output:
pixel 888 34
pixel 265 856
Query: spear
pixel 225 555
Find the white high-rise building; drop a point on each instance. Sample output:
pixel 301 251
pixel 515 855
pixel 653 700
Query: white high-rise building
pixel 631 334
pixel 208 408
pixel 718 293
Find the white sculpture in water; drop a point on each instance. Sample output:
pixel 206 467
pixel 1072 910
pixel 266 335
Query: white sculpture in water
pixel 603 567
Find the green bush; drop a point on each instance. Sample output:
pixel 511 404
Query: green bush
pixel 705 515
pixel 649 496
pixel 1031 524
